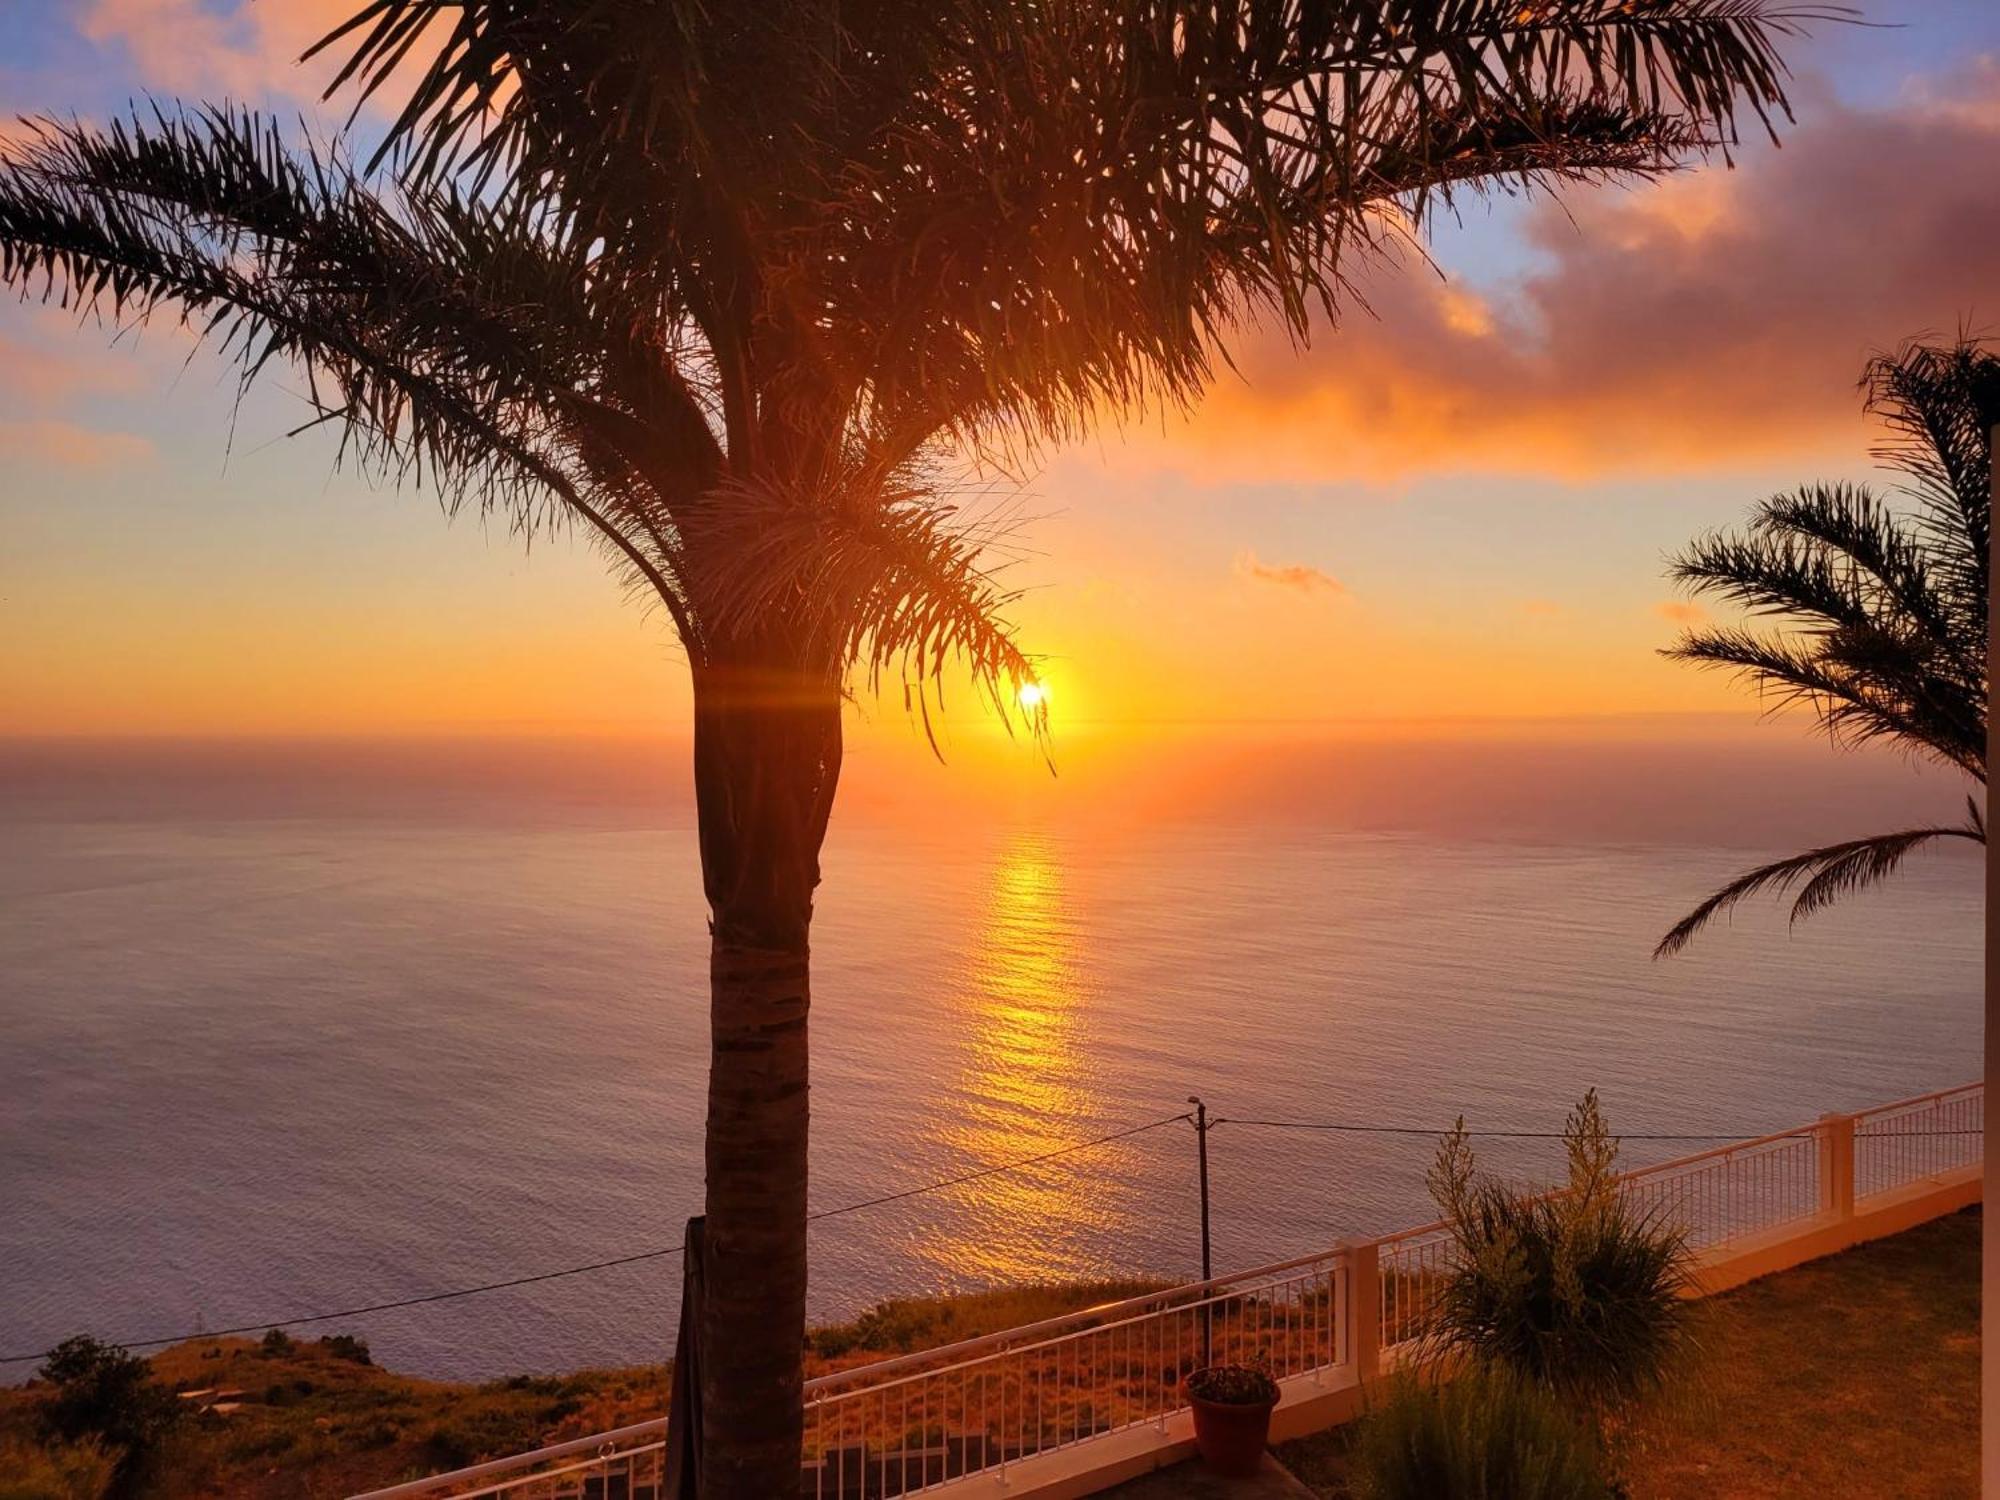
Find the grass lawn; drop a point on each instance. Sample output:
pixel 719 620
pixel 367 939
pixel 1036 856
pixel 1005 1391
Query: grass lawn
pixel 1855 1376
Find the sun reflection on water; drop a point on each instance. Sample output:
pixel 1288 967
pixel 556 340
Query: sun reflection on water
pixel 1024 1082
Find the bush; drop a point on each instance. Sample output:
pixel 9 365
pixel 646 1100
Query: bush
pixel 1579 1291
pixel 469 1435
pixel 277 1343
pixel 103 1392
pixel 1487 1435
pixel 60 1471
pixel 903 1324
pixel 347 1346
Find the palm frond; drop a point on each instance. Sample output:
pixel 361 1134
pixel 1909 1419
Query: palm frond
pixel 1941 403
pixel 1782 562
pixel 884 579
pixel 1828 874
pixel 1861 685
pixel 450 346
pixel 994 218
pixel 1879 613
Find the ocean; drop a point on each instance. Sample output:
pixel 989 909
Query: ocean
pixel 262 1061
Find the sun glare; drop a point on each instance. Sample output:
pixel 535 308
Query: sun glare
pixel 1033 696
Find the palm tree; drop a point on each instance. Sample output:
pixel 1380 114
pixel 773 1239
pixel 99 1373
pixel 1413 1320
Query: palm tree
pixel 737 288
pixel 1881 610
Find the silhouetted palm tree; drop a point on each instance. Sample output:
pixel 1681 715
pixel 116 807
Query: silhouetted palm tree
pixel 1881 610
pixel 728 284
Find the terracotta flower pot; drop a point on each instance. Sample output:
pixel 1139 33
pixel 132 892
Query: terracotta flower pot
pixel 1231 1434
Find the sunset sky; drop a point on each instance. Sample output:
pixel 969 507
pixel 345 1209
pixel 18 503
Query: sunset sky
pixel 1453 509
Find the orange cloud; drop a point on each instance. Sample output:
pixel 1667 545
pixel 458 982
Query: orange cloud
pixel 66 445
pixel 245 49
pixel 14 129
pixel 51 376
pixel 1307 580
pixel 1464 313
pixel 1680 612
pixel 1712 319
pixel 1541 609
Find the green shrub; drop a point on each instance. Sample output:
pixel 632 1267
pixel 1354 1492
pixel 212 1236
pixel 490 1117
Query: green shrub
pixel 1578 1291
pixel 267 1443
pixel 906 1323
pixel 58 1471
pixel 102 1392
pixel 1487 1435
pixel 471 1434
pixel 348 1346
pixel 540 1385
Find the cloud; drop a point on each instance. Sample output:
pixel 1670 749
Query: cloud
pixel 66 445
pixel 1681 612
pixel 1970 92
pixel 45 375
pixel 244 49
pixel 1542 609
pixel 49 378
pixel 1713 319
pixel 15 131
pixel 1306 580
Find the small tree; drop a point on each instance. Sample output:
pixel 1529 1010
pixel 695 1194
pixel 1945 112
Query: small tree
pixel 1577 1291
pixel 104 1392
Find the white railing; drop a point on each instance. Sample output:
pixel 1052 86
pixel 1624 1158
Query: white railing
pixel 621 1465
pixel 1745 1189
pixel 1897 1145
pixel 905 1425
pixel 920 1421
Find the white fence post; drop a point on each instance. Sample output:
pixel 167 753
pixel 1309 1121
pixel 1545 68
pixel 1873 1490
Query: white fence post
pixel 1836 1166
pixel 1364 1307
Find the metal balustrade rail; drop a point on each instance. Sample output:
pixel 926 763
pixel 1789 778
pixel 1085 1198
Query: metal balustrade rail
pixel 907 1425
pixel 919 1421
pixel 1744 1189
pixel 1896 1145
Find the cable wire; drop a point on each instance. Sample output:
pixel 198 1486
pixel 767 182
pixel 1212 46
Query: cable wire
pixel 1433 1133
pixel 1550 1135
pixel 1342 1127
pixel 622 1260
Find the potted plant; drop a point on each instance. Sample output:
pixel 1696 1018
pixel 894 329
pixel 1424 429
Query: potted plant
pixel 1232 1415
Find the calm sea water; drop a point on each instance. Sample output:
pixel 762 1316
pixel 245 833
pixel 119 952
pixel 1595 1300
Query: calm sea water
pixel 254 1068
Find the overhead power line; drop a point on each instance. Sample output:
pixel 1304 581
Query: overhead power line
pixel 1330 1126
pixel 1433 1133
pixel 621 1260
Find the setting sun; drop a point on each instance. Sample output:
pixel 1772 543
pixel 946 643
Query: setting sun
pixel 1033 696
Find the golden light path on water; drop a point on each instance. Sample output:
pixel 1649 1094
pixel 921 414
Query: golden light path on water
pixel 1020 1011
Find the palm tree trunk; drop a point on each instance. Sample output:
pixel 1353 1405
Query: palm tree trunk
pixel 767 758
pixel 753 1327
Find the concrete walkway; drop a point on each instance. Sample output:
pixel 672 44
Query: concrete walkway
pixel 1190 1481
